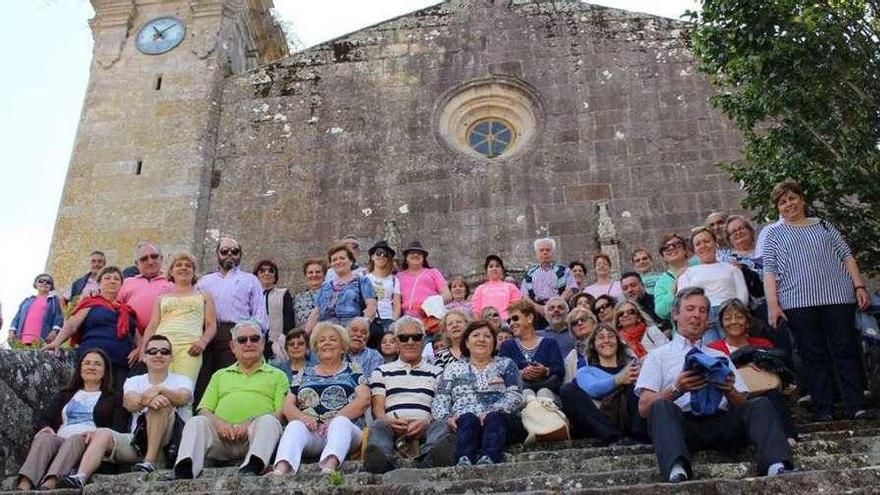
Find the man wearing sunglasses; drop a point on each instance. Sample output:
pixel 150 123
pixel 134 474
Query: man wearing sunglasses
pixel 402 393
pixel 238 296
pixel 141 291
pixel 239 415
pixel 153 399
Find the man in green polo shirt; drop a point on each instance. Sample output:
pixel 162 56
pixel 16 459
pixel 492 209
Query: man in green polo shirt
pixel 240 411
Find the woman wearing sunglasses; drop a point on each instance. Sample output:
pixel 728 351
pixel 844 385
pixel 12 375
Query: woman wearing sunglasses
pixel 636 329
pixel 581 323
pixel 603 308
pixel 538 359
pixel 185 316
pixel 386 287
pixel 279 307
pixel 39 317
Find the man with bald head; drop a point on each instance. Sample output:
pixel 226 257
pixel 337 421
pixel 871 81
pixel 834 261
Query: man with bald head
pixel 238 296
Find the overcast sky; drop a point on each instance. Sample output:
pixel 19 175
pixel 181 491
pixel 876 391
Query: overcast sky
pixel 46 54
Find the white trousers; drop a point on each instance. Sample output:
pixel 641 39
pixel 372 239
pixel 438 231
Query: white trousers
pixel 343 437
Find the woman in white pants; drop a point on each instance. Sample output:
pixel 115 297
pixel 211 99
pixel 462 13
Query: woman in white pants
pixel 325 405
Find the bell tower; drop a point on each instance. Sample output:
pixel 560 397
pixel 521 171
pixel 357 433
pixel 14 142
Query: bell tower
pixel 142 162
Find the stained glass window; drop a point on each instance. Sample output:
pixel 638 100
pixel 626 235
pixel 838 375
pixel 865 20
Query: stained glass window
pixel 490 137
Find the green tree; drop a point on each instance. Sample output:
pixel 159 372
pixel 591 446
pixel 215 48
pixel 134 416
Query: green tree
pixel 801 80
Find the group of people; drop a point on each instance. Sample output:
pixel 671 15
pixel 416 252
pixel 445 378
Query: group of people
pixel 394 362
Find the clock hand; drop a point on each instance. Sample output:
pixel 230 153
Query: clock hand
pixel 158 33
pixel 166 29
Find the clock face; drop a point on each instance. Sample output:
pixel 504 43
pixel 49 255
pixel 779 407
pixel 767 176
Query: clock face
pixel 160 35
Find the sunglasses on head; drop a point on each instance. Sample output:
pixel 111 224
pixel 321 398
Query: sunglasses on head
pixel 144 258
pixel 415 337
pixel 164 351
pixel 244 339
pixel 627 312
pixel 228 251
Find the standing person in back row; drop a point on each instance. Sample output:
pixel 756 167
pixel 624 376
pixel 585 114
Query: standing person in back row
pixel 547 278
pixel 237 296
pixel 418 281
pixel 812 280
pixel 87 285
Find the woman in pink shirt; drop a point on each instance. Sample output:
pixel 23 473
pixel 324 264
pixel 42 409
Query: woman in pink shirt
pixel 39 317
pixel 495 291
pixel 418 281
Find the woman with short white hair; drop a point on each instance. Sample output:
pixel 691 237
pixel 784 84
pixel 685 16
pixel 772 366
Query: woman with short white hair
pixel 325 405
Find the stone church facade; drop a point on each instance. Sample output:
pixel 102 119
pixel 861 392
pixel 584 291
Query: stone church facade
pixel 474 126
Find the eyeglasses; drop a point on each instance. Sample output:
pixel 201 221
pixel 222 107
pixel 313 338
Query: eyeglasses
pixel 228 251
pixel 406 337
pixel 581 320
pixel 158 350
pixel 146 257
pixel 244 339
pixel 602 307
pixel 672 246
pixel 44 281
pixel 627 312
pixel 381 254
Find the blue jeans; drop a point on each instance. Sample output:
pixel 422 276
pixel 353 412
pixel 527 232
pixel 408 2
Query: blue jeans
pixel 476 440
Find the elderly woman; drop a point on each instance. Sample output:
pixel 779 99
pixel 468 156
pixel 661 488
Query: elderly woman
pixel 367 358
pixel 477 397
pixel 39 317
pixel 297 348
pixel 453 325
pixel 538 358
pixel 87 403
pixel 313 271
pixel 603 285
pixel 386 287
pixel 185 316
pixel 636 329
pixel 818 301
pixel 581 323
pixel 279 307
pixel 720 281
pixel 460 292
pixel 325 405
pixel 104 323
pixel 494 292
pixel 388 347
pixel 418 281
pixel 344 297
pixel 741 237
pixel 492 316
pixel 737 323
pixel 603 308
pixel 602 402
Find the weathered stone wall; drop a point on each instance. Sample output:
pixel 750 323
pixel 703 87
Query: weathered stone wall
pixel 28 380
pixel 341 138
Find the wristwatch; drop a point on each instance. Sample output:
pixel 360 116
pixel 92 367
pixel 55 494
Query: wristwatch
pixel 676 392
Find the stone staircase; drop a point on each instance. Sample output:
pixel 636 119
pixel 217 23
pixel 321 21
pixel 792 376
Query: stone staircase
pixel 836 457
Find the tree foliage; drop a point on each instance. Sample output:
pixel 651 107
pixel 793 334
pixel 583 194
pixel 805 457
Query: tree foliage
pixel 801 80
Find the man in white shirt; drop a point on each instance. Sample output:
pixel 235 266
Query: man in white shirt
pixel 157 394
pixel 664 391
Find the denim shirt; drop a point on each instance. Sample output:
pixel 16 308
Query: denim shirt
pixel 347 301
pixel 53 318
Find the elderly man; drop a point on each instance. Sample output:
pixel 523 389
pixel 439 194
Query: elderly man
pixel 238 296
pixel 153 398
pixel 547 278
pixel 240 412
pixel 717 223
pixel 665 398
pixel 366 357
pixel 141 291
pixel 556 311
pixel 634 288
pixel 352 243
pixel 87 285
pixel 403 392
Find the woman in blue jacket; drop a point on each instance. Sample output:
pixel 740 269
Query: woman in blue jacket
pixel 39 317
pixel 601 401
pixel 538 359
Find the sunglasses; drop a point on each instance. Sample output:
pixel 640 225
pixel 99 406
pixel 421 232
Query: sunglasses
pixel 672 247
pixel 415 337
pixel 146 257
pixel 253 339
pixel 627 312
pixel 581 320
pixel 158 350
pixel 493 315
pixel 381 254
pixel 602 307
pixel 44 281
pixel 513 319
pixel 228 251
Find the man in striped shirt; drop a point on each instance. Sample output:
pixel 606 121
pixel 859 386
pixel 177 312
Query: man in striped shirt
pixel 402 392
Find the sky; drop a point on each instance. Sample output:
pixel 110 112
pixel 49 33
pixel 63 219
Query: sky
pixel 46 54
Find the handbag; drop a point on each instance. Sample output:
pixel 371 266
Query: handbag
pixel 543 421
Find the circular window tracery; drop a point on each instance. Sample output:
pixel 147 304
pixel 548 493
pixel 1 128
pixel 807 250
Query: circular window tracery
pixel 492 118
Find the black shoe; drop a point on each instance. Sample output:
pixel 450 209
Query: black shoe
pixel 376 461
pixel 442 453
pixel 183 470
pixel 74 481
pixel 254 467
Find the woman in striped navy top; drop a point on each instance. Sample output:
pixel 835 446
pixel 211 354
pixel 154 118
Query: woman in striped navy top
pixel 812 280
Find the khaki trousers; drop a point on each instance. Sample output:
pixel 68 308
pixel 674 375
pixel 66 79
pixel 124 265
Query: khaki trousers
pixel 51 455
pixel 200 440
